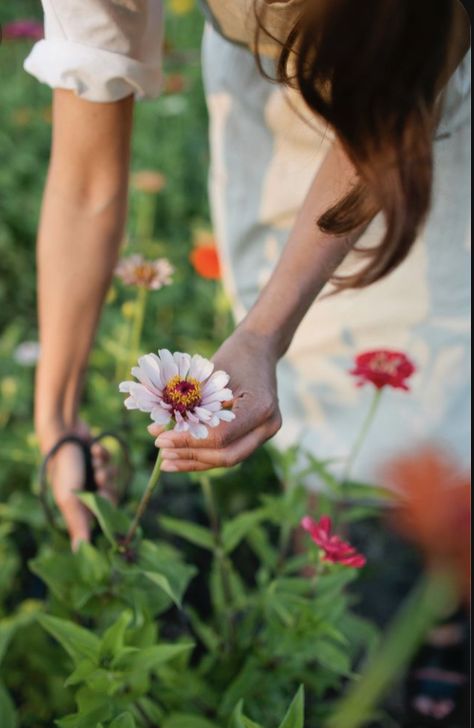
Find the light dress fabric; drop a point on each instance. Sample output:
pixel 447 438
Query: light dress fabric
pixel 265 150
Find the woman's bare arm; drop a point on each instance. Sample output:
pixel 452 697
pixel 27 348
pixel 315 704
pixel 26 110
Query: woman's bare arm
pixel 251 353
pixel 81 226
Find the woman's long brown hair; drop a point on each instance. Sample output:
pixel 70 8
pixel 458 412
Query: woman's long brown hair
pixel 372 70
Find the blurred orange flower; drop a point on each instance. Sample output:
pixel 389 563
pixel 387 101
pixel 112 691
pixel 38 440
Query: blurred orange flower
pixel 434 510
pixel 205 261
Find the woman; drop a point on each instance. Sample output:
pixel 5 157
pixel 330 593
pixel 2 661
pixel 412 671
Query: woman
pixel 373 96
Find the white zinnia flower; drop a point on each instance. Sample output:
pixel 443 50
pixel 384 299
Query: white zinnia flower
pixel 180 389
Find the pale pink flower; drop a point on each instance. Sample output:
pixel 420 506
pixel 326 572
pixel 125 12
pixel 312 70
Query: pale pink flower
pixel 152 274
pixel 181 390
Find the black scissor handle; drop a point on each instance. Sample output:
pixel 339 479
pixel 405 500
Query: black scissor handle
pixel 90 484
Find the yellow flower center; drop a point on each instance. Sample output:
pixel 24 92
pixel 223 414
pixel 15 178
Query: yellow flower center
pixel 144 274
pixel 182 394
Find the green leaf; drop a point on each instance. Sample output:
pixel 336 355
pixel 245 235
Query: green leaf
pixel 205 632
pixel 260 544
pixel 185 720
pixel 113 640
pixel 8 714
pixel 26 613
pixel 197 535
pixel 319 467
pixel 93 567
pixel 58 570
pixel 124 720
pixel 238 719
pixel 166 562
pixel 161 581
pixel 86 719
pixel 295 716
pixel 112 521
pixel 81 673
pixel 237 529
pixel 333 657
pixel 244 682
pixel 150 658
pixel 367 492
pixel 78 642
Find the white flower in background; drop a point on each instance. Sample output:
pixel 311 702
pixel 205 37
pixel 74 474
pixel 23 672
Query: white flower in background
pixel 27 353
pixel 181 390
pixel 137 271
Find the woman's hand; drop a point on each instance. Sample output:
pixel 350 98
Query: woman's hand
pixel 67 475
pixel 251 362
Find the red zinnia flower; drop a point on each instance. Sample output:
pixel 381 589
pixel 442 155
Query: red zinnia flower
pixel 23 29
pixel 205 261
pixel 434 510
pixel 335 549
pixel 383 368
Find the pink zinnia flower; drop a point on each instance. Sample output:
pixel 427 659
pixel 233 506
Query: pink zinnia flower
pixel 180 390
pixel 137 271
pixel 335 549
pixel 23 29
pixel 383 368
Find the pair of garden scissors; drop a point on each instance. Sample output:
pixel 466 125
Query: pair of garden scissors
pixel 90 485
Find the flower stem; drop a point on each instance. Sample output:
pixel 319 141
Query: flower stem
pixel 208 494
pixel 430 601
pixel 362 435
pixel 152 483
pixel 220 559
pixel 135 330
pixel 138 320
pixel 145 217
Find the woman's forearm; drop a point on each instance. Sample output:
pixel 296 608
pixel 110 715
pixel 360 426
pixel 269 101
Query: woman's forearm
pixel 80 231
pixel 308 260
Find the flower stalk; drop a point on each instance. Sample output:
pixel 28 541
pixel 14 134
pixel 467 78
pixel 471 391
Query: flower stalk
pixel 366 425
pixel 219 556
pixel 149 490
pixel 138 320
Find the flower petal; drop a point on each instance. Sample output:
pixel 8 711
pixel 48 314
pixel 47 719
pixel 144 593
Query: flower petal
pixel 144 399
pixel 169 368
pixel 150 368
pixel 160 415
pixel 130 403
pixel 181 424
pixel 203 413
pixel 217 381
pixel 198 431
pixel 201 368
pixel 221 395
pixel 226 415
pixel 183 362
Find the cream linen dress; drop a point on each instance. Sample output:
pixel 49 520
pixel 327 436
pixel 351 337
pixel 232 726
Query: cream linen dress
pixel 264 156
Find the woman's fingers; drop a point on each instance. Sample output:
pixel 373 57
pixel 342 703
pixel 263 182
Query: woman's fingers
pixel 247 420
pixel 196 459
pixel 155 429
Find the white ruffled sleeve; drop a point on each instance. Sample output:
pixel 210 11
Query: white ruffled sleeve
pixel 104 50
